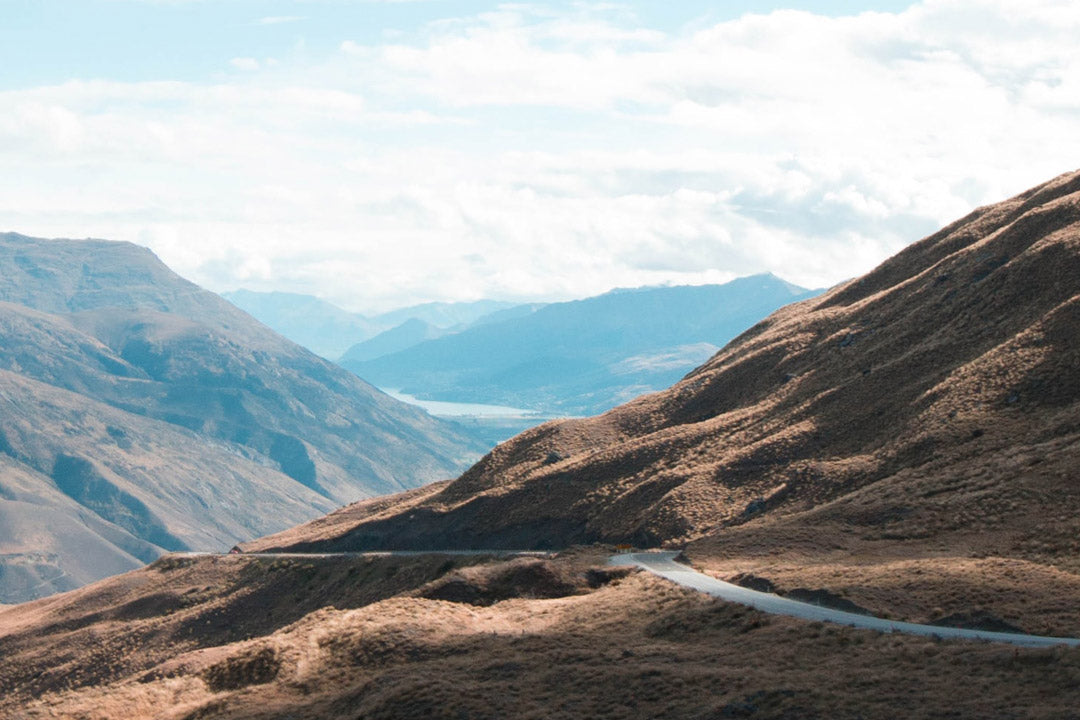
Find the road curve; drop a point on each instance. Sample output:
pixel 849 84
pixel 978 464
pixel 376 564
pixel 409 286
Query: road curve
pixel 664 565
pixel 360 553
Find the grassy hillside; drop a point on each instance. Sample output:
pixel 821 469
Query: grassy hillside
pixel 329 638
pixel 934 397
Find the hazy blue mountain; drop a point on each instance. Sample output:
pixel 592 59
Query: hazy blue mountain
pixel 330 331
pixel 141 413
pixel 444 314
pixel 415 331
pixel 321 327
pixel 510 313
pixel 587 355
pixel 411 332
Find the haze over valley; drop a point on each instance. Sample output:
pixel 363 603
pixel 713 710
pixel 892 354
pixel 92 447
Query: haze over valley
pixel 331 332
pixel 476 362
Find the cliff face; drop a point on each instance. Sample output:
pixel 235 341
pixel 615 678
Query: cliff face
pixel 939 391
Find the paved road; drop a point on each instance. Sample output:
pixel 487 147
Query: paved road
pixel 362 553
pixel 664 565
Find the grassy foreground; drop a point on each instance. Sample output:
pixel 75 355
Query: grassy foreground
pixel 439 637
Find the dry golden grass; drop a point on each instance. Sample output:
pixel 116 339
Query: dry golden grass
pixel 1031 597
pixel 635 647
pixel 130 623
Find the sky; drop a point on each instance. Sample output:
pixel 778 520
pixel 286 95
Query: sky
pixel 383 153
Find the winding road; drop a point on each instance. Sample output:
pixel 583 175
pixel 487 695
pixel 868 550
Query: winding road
pixel 664 565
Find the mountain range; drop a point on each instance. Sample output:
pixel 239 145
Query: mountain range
pixel 411 332
pixel 311 322
pixel 904 445
pixel 584 356
pixel 140 413
pixel 330 331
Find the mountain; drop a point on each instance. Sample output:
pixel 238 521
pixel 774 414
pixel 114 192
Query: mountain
pixel 140 413
pixel 330 332
pixel 935 400
pixel 411 332
pixel 583 356
pixel 415 331
pixel 906 445
pixel 510 313
pixel 445 315
pixel 323 328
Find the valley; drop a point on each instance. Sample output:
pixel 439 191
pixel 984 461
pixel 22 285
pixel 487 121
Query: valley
pixel 490 424
pixel 332 332
pixel 550 361
pixel 557 360
pixel 903 446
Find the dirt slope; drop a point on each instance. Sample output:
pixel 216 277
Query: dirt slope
pixel 937 393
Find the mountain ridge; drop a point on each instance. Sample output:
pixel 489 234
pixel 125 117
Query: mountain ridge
pixel 330 331
pixel 955 349
pixel 411 332
pixel 173 417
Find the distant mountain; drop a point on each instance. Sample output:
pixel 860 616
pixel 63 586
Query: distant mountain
pixel 411 332
pixel 583 356
pixel 510 313
pixel 140 413
pixel 330 332
pixel 415 331
pixel 444 314
pixel 321 327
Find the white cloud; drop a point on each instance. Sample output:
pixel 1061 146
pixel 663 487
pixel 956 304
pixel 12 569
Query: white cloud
pixel 529 153
pixel 280 19
pixel 244 63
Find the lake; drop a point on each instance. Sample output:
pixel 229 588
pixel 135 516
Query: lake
pixel 441 408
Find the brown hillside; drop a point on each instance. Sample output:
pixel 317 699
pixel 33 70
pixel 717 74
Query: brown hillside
pixel 329 638
pixel 937 394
